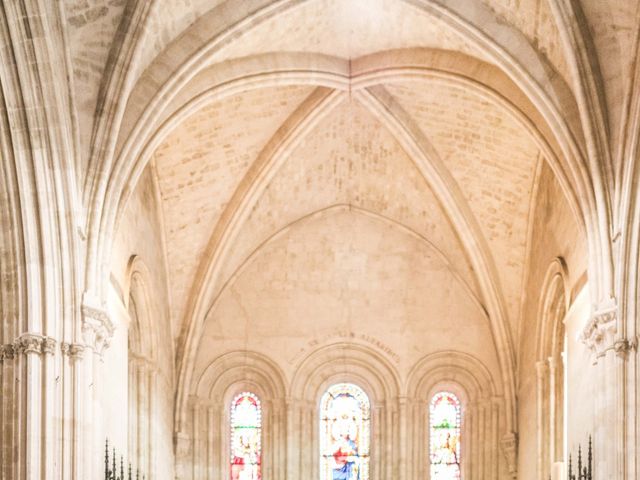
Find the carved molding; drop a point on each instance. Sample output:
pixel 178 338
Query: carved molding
pixel 623 346
pixel 29 343
pixel 97 328
pixel 509 444
pixel 599 334
pixel 72 350
pixel 48 346
pixel 7 352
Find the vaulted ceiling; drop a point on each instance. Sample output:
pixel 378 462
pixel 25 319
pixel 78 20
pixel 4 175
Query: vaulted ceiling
pixel 434 118
pixel 376 128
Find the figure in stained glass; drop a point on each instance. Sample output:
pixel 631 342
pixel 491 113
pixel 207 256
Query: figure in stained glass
pixel 246 432
pixel 344 431
pixel 444 438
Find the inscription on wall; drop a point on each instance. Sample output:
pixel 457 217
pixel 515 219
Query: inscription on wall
pixel 344 335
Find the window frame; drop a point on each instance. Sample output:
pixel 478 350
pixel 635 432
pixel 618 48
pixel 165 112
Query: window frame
pixel 321 430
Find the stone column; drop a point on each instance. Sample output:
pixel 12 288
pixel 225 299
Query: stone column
pixel 209 475
pixel 553 366
pixel 541 375
pixel 7 412
pixel 97 330
pixel 293 445
pixel 611 354
pixel 402 457
pixel 509 444
pixel 31 352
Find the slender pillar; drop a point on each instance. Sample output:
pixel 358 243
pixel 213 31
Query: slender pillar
pixel 541 373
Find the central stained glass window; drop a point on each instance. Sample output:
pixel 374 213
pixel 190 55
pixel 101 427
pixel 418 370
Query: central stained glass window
pixel 444 438
pixel 246 433
pixel 344 433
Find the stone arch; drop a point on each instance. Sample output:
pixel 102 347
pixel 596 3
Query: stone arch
pixel 553 305
pixel 417 148
pixel 143 334
pixel 253 368
pixel 536 83
pixel 199 305
pixel 495 303
pixel 333 209
pixel 345 362
pixel 482 413
pixel 204 446
pixel 143 366
pixel 348 363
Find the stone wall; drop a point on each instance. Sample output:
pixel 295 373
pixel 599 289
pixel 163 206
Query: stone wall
pixel 345 296
pixel 555 238
pixel 140 358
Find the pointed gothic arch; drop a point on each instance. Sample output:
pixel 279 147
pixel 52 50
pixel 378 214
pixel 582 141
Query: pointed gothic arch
pixel 550 367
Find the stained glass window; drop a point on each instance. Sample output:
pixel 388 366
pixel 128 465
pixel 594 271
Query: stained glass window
pixel 444 441
pixel 344 433
pixel 246 433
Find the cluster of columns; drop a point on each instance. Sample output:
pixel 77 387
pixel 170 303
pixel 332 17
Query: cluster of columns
pixel 550 417
pixel 141 394
pixel 49 407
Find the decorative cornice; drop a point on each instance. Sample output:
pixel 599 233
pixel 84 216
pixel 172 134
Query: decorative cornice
pixel 509 444
pixel 97 328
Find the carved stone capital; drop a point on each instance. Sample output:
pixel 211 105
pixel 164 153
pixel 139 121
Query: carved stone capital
pixel 509 444
pixel 182 445
pixel 76 350
pixel 72 350
pixel 97 328
pixel 28 343
pixel 7 352
pixel 48 346
pixel 599 334
pixel 623 346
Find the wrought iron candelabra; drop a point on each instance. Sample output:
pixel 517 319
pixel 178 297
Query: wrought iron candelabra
pixel 111 468
pixel 584 472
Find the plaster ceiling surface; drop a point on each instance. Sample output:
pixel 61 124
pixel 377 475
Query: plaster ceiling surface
pixel 535 19
pixel 199 166
pixel 92 27
pixel 348 29
pixel 493 160
pixel 168 19
pixel 344 276
pixel 348 158
pixel 351 159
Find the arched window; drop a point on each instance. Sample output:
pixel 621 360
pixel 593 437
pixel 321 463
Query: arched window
pixel 246 437
pixel 444 440
pixel 344 433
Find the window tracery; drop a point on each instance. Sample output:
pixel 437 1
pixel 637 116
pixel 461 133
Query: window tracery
pixel 246 437
pixel 344 433
pixel 444 436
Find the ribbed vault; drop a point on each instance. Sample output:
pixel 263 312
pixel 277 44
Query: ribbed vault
pixel 411 113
